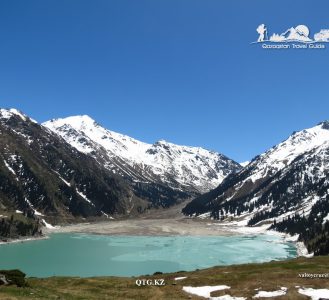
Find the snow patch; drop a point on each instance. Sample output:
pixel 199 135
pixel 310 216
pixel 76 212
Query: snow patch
pixel 106 215
pixel 325 219
pixel 32 207
pixel 84 197
pixel 227 297
pixel 47 225
pixel 204 291
pixel 18 113
pixel 204 216
pixel 278 293
pixel 245 163
pixel 180 278
pixel 315 294
pixel 10 169
pixel 302 250
pixel 61 178
pixel 8 113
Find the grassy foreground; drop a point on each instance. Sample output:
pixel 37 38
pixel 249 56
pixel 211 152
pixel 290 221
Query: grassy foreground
pixel 243 280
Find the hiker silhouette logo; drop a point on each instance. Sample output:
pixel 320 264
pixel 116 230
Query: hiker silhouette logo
pixel 299 33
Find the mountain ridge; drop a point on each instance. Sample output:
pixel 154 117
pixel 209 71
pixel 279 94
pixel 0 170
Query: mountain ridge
pixel 285 187
pixel 47 181
pixel 191 169
pixel 44 178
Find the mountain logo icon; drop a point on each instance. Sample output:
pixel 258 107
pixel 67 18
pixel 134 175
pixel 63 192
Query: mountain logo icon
pixel 300 33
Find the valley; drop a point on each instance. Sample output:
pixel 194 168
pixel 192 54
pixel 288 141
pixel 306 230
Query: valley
pixel 73 180
pixel 81 171
pixel 157 222
pixel 243 281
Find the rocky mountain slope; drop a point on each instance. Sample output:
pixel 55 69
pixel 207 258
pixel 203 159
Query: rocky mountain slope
pixel 189 169
pixel 91 173
pixel 43 178
pixel 287 186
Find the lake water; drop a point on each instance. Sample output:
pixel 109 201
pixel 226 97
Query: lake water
pixel 97 255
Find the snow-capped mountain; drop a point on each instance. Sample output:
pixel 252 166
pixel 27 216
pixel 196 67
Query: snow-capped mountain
pixel 96 174
pixel 43 178
pixel 289 180
pixel 249 186
pixel 189 169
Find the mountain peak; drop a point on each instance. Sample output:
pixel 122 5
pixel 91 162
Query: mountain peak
pixel 11 112
pixel 80 118
pixel 181 167
pixel 162 141
pixel 77 121
pixel 84 118
pixel 325 124
pixel 284 186
pixel 8 113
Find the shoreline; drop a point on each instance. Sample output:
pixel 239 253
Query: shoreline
pixel 24 240
pixel 166 227
pixel 241 228
pixel 146 227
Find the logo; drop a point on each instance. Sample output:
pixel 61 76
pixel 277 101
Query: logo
pixel 150 282
pixel 298 37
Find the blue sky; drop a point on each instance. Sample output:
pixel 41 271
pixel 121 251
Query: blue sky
pixel 179 70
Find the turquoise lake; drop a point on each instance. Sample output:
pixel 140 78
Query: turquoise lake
pixel 87 255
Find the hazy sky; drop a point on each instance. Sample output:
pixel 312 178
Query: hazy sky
pixel 179 70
